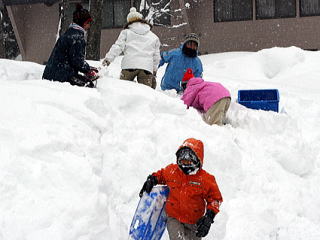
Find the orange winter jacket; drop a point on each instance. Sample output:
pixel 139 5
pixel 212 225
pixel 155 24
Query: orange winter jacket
pixel 190 195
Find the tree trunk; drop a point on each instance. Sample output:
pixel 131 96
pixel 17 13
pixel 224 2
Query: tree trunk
pixel 185 16
pixel 2 44
pixel 64 18
pixel 8 43
pixel 94 34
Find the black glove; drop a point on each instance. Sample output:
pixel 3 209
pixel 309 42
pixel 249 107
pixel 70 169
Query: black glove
pixel 148 185
pixel 204 224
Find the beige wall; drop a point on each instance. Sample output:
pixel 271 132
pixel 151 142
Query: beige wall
pixel 36 27
pixel 40 31
pixel 252 35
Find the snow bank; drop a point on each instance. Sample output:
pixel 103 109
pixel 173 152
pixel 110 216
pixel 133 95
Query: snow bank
pixel 49 138
pixel 275 61
pixel 264 67
pixel 17 70
pixel 73 160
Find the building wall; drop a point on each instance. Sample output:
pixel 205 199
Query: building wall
pixel 40 31
pixel 252 35
pixel 36 27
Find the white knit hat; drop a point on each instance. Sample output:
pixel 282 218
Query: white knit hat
pixel 134 15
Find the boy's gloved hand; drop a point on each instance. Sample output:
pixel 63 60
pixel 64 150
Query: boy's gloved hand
pixel 92 75
pixel 204 224
pixel 148 185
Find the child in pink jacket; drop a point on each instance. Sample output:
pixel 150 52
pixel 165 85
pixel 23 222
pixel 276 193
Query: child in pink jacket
pixel 211 99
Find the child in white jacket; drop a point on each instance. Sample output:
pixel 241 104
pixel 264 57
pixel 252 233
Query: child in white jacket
pixel 141 49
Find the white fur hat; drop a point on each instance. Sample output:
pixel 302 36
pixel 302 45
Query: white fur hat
pixel 134 15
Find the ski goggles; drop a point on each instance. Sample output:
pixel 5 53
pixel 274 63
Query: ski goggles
pixel 186 162
pixel 186 157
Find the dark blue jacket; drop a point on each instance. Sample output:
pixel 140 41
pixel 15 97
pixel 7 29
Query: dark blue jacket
pixel 178 63
pixel 67 57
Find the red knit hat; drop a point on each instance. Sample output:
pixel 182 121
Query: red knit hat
pixel 188 74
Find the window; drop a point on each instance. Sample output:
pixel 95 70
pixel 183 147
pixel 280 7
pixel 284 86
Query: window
pixel 114 13
pixel 309 8
pixel 232 10
pixel 275 8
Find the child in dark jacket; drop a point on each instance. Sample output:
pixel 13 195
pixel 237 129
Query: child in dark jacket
pixel 194 197
pixel 68 55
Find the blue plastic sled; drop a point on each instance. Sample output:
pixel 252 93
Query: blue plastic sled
pixel 149 221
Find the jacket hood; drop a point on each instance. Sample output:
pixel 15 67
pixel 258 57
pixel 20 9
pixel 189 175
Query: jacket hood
pixel 194 81
pixel 194 85
pixel 77 27
pixel 139 28
pixel 196 146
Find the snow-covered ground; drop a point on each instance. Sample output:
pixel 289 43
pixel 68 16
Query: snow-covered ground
pixel 73 160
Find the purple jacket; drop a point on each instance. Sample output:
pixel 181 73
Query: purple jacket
pixel 202 95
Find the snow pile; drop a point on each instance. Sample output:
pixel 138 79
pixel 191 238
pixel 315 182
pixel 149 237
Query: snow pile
pixel 275 62
pixel 50 152
pixel 73 159
pixel 264 65
pixel 17 70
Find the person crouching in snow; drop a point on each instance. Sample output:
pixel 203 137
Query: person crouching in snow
pixel 211 99
pixel 141 49
pixel 68 55
pixel 194 197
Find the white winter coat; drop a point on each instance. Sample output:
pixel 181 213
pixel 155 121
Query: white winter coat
pixel 140 46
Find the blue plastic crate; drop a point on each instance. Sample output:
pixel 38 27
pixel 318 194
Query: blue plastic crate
pixel 264 99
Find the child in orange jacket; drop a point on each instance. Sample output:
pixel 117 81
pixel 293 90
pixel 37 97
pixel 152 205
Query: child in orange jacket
pixel 194 197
